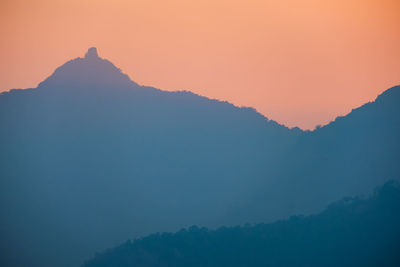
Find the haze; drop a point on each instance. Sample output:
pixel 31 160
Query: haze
pixel 301 63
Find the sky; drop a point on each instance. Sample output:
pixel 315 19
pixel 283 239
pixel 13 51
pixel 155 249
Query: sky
pixel 301 63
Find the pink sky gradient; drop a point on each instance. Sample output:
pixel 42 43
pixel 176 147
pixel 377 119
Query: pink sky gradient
pixel 301 63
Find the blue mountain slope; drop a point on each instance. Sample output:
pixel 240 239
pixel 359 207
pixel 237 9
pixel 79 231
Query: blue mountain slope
pixel 90 157
pixel 350 156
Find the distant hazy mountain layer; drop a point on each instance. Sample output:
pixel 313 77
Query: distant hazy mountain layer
pixel 89 158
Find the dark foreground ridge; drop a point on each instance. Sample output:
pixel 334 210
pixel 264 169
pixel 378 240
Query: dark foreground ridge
pixel 351 232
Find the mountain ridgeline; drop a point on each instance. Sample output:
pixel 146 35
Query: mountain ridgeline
pixel 350 232
pixel 90 158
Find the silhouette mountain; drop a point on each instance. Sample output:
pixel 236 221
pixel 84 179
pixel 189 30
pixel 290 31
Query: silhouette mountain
pixel 349 156
pixel 350 232
pixel 90 71
pixel 89 158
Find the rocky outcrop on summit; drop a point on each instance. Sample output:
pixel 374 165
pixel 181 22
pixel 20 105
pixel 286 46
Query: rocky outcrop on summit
pixel 92 53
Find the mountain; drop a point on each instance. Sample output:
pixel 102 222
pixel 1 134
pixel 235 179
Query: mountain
pixel 349 156
pixel 351 232
pixel 90 158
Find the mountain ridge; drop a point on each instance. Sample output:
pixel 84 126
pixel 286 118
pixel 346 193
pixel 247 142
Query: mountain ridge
pixel 82 72
pixel 126 81
pixel 356 231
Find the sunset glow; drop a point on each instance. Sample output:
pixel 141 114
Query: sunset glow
pixel 301 63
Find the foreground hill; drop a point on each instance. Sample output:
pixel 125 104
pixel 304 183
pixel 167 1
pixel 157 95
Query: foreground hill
pixel 351 232
pixel 90 158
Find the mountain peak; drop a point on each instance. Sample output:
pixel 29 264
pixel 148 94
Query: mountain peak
pixel 90 71
pixel 91 53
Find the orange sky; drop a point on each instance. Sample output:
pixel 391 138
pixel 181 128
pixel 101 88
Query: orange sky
pixel 301 63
